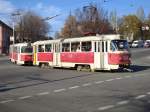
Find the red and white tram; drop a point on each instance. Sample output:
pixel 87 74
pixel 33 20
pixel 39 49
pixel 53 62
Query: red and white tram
pixel 21 53
pixel 101 52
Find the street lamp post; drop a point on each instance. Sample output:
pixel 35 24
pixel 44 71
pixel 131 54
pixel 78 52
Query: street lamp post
pixel 48 18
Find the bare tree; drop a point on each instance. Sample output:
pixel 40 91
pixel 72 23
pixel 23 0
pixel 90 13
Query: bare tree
pixel 88 20
pixel 114 20
pixel 31 27
pixel 130 27
pixel 93 19
pixel 70 28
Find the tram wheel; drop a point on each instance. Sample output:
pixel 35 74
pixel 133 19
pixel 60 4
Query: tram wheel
pixel 79 68
pixel 42 65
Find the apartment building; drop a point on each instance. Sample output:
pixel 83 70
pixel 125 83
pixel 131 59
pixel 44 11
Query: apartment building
pixel 5 34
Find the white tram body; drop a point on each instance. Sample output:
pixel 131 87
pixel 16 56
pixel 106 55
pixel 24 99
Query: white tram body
pixel 101 52
pixel 21 53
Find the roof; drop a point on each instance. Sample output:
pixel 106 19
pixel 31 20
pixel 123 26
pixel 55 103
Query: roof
pixel 4 24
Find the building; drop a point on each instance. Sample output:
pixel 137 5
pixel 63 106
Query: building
pixel 5 34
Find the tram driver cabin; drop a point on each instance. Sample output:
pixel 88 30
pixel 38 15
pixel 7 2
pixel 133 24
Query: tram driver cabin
pixel 101 52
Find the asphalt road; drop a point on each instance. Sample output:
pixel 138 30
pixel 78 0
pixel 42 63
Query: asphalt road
pixel 32 89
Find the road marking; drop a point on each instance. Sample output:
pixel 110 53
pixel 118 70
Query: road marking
pixel 7 101
pixel 110 80
pixel 119 78
pixel 98 82
pixel 74 87
pixel 123 102
pixel 43 93
pixel 106 107
pixel 140 96
pixel 86 84
pixel 59 90
pixel 24 97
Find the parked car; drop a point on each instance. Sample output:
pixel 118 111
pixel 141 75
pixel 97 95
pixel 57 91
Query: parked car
pixel 137 44
pixel 147 44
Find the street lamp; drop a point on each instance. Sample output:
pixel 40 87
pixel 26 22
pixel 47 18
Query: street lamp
pixel 48 18
pixel 14 15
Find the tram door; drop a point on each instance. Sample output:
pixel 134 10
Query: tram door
pixel 100 55
pixel 34 54
pixel 56 54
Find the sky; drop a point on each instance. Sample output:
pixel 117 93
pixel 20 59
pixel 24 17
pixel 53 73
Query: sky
pixel 49 8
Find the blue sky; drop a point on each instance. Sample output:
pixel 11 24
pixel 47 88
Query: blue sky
pixel 48 8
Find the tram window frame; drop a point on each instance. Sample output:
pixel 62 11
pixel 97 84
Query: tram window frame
pixel 86 46
pixel 48 47
pixel 65 47
pixel 106 45
pixel 40 49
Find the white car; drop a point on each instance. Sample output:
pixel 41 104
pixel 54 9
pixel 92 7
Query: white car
pixel 137 43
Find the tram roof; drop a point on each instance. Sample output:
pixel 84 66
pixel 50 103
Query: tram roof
pixel 47 41
pixel 87 38
pixel 20 44
pixel 94 38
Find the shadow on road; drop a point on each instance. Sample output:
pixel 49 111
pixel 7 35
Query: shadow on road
pixel 35 80
pixel 138 68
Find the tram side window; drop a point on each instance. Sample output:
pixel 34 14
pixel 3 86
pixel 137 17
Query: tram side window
pixel 112 48
pixel 15 49
pixel 26 49
pixel 65 47
pixel 102 46
pixel 106 46
pixel 86 46
pixel 41 48
pixel 48 48
pixel 75 47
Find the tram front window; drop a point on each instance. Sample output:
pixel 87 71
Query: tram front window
pixel 119 45
pixel 26 49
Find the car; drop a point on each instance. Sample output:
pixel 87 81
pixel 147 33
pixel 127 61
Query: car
pixel 147 44
pixel 137 44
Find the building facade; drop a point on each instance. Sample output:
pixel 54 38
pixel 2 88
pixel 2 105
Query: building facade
pixel 5 34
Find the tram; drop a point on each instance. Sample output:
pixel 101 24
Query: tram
pixel 21 53
pixel 100 52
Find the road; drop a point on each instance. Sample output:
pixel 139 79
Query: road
pixel 32 89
